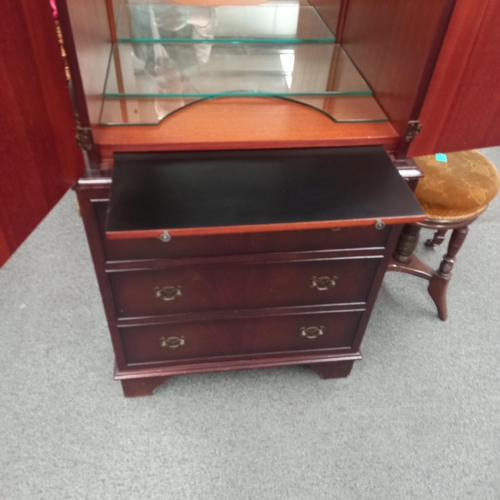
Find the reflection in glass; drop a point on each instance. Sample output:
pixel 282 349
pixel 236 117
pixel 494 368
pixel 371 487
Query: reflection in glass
pixel 180 57
pixel 269 22
pixel 168 70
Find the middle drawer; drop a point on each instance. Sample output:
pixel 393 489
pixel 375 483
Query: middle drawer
pixel 182 289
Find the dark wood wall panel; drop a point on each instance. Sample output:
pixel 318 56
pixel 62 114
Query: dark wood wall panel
pixel 462 108
pixel 38 152
pixel 391 41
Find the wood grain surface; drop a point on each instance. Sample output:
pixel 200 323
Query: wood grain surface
pixel 462 108
pixel 143 344
pixel 240 123
pixel 236 244
pixel 390 41
pixel 86 31
pixel 39 159
pixel 241 286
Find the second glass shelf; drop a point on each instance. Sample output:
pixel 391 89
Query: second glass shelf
pixel 147 82
pixel 240 70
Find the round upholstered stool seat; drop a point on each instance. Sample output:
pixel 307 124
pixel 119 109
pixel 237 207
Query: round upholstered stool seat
pixel 459 189
pixel 453 194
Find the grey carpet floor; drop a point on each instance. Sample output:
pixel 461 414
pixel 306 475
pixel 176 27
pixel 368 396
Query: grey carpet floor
pixel 418 418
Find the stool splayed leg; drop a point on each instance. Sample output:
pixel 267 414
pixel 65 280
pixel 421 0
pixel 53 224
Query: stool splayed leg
pixel 441 278
pixel 404 261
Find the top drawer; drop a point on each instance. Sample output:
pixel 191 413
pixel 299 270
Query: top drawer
pixel 232 244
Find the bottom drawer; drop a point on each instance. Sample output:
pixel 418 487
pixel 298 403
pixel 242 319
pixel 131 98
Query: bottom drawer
pixel 227 337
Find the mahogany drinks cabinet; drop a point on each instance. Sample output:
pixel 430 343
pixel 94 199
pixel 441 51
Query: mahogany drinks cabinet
pixel 248 163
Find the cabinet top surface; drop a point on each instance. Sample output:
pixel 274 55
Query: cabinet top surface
pixel 189 193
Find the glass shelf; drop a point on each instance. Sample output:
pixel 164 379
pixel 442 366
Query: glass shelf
pixel 148 82
pixel 149 111
pixel 195 71
pixel 270 22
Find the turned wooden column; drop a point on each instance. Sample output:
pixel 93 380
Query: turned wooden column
pixel 408 241
pixel 456 241
pixel 439 282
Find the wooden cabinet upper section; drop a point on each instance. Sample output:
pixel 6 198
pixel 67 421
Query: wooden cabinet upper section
pixel 237 74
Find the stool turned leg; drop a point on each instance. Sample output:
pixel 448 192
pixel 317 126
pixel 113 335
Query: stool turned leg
pixel 408 241
pixel 439 236
pixel 456 241
pixel 439 282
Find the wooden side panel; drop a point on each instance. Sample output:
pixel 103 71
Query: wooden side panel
pixel 114 7
pixel 39 156
pixel 329 10
pixel 462 107
pixel 236 244
pixel 391 43
pixel 91 36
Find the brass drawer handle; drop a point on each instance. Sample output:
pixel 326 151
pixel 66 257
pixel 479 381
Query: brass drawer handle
pixel 312 332
pixel 172 342
pixel 323 282
pixel 168 292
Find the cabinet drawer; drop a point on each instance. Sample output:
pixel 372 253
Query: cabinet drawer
pixel 185 288
pixel 195 340
pixel 232 244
